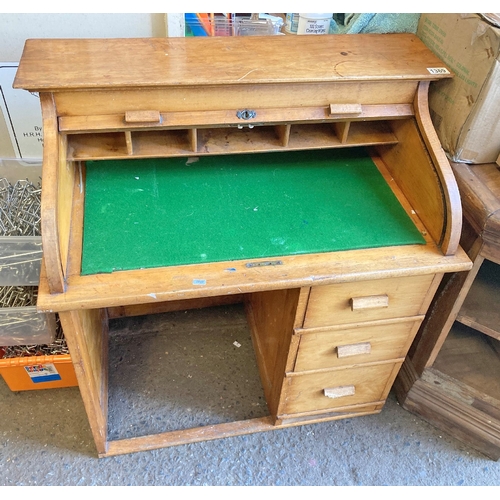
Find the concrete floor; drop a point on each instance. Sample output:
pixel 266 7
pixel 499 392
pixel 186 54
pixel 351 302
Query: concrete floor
pixel 45 437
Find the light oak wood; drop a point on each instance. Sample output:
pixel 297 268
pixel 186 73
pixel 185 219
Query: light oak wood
pixel 128 142
pixel 340 345
pixel 185 436
pixel 328 415
pixel 46 64
pixel 173 305
pixel 301 306
pixel 331 92
pixel 271 318
pixel 346 109
pixel 407 162
pixel 345 351
pixel 305 392
pixel 49 200
pixel 452 230
pixel 342 130
pixel 369 302
pixel 331 304
pixel 169 142
pixel 154 285
pixel 86 333
pixel 90 124
pixel 283 133
pixel 143 116
pixel 205 98
pixel 339 392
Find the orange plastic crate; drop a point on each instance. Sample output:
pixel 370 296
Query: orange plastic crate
pixel 38 372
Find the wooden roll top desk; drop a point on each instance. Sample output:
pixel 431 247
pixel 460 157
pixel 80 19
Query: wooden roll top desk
pixel 331 320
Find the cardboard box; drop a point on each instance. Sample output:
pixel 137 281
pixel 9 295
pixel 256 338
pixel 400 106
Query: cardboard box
pixel 465 110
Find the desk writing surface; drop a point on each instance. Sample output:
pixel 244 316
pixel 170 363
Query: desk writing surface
pixel 165 212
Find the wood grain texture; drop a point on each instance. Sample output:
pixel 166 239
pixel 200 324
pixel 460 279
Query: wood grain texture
pixel 412 170
pixel 109 123
pixel 185 436
pixel 345 351
pixel 179 282
pixel 293 84
pixel 271 318
pixel 81 63
pixel 331 304
pixel 324 348
pixel 173 305
pixel 304 392
pixel 143 116
pixel 86 333
pixel 50 196
pixel 328 415
pixel 225 100
pixel 219 140
pixel 453 208
pixel 434 399
pixel 369 302
pixel 66 181
pixel 480 189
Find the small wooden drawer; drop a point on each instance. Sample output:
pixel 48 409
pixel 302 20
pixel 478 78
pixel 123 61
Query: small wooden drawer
pixel 319 349
pixel 338 388
pixel 354 302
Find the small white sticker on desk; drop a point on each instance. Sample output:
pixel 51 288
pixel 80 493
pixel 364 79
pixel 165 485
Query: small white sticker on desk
pixel 438 71
pixel 42 373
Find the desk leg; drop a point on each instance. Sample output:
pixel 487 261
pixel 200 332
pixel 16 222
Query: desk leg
pixel 86 332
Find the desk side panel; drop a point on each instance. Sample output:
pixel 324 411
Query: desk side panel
pixel 50 196
pixel 410 165
pixel 86 332
pixel 451 197
pixel 271 317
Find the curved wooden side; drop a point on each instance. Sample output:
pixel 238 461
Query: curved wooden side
pixel 49 200
pixel 453 208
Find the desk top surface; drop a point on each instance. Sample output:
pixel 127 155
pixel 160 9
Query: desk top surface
pixel 66 64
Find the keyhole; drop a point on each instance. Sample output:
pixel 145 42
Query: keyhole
pixel 246 114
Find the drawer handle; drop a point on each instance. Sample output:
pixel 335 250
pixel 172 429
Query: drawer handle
pixel 345 109
pixel 369 302
pixel 339 392
pixel 344 351
pixel 144 116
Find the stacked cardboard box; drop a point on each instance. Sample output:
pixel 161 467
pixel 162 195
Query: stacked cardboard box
pixel 466 109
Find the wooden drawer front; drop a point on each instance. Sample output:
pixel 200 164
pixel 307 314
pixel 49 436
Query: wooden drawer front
pixel 334 348
pixel 352 386
pixel 366 300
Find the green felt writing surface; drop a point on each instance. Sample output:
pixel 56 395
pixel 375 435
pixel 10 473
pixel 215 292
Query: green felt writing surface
pixel 157 212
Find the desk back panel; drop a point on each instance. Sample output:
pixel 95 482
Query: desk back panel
pixel 172 211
